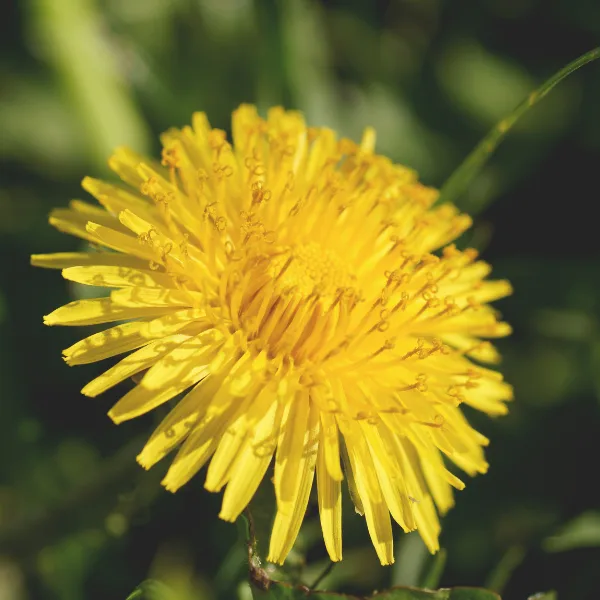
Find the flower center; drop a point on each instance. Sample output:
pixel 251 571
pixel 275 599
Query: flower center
pixel 310 269
pixel 289 302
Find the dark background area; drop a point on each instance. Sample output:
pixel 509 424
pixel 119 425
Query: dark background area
pixel 78 517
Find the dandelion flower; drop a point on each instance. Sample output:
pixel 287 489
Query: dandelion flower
pixel 299 298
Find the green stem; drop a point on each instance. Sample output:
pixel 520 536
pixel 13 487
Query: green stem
pixel 464 174
pixel 502 573
pixel 323 574
pixel 258 576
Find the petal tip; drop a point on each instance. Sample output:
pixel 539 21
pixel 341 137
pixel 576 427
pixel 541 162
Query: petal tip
pixel 116 418
pixel 276 560
pixel 143 461
pixel 50 319
pixel 169 485
pixel 88 183
pixel 87 390
pixel 227 516
pixel 91 227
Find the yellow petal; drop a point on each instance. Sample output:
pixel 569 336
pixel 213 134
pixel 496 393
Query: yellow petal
pixel 159 239
pixel 132 335
pixel 440 489
pixel 489 395
pixel 233 440
pixel 173 322
pixel 178 204
pixel 330 503
pixel 133 363
pixel 428 523
pixel 172 374
pixel 331 446
pixel 145 297
pixel 64 260
pixel 140 400
pixel 351 481
pixel 198 448
pixel 289 518
pixel 488 291
pixel 107 343
pixel 68 221
pixel 429 454
pixel 467 442
pixel 84 212
pixel 376 512
pixel 117 276
pixel 100 310
pixel 389 474
pixel 425 515
pixel 116 198
pixel 124 162
pixel 121 242
pixel 482 351
pixel 203 441
pixel 251 463
pixel 176 366
pixel 178 424
pixel 291 446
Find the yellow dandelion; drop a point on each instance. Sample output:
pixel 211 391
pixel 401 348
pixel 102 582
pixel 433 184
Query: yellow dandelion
pixel 299 292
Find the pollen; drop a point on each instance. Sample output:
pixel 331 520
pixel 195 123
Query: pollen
pixel 311 269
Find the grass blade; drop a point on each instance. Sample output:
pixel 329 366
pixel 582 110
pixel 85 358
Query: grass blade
pixel 470 167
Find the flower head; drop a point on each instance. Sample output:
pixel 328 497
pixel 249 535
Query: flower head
pixel 299 292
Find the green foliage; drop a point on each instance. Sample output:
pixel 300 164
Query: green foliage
pixel 278 591
pixel 75 46
pixel 503 571
pixel 582 532
pixel 152 590
pixel 470 168
pixel 436 569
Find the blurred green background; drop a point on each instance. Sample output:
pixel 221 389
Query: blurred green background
pixel 78 518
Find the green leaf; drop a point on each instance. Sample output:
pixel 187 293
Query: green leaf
pixel 470 167
pixel 581 532
pixel 283 591
pixel 466 593
pixel 413 594
pixel 544 596
pixel 64 566
pixel 152 590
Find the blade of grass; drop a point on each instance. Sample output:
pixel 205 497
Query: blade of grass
pixel 435 570
pixel 470 167
pixel 503 571
pixel 410 560
pixel 87 64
